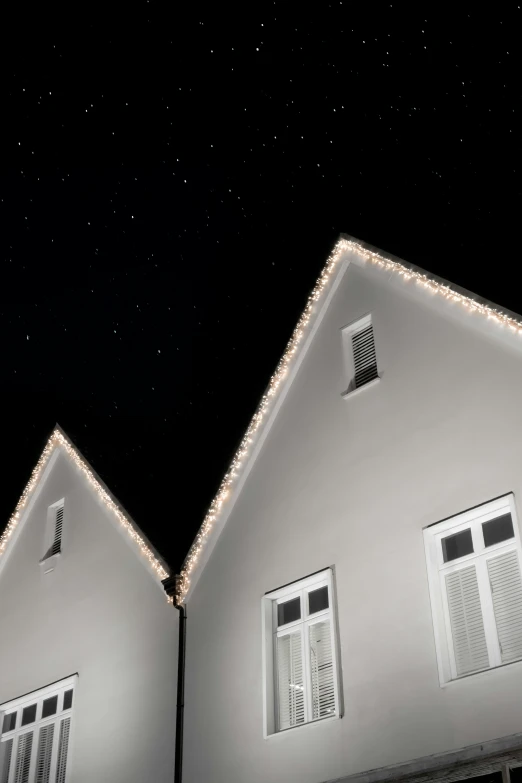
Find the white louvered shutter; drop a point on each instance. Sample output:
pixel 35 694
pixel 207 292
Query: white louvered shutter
pixel 6 751
pixel 23 758
pixel 467 624
pixel 322 670
pixel 61 766
pixel 290 680
pixel 364 356
pixel 44 754
pixel 506 591
pixel 58 528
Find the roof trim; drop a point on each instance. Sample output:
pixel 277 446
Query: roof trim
pixel 257 430
pixel 454 765
pixel 306 325
pixel 58 439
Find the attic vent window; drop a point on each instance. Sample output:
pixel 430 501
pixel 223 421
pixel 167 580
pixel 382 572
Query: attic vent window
pixel 361 354
pixel 54 531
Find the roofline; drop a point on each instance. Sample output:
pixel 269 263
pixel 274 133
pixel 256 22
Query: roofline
pixel 287 366
pixel 59 439
pixel 257 430
pixel 417 270
pixel 158 556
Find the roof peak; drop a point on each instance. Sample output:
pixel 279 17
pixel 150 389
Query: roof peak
pixel 319 295
pixel 59 439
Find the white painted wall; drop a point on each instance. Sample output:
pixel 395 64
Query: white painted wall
pixel 102 614
pixel 351 483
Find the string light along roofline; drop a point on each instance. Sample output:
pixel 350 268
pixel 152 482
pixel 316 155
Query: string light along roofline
pixel 58 439
pixel 389 264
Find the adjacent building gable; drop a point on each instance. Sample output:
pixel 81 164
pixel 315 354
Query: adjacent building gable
pixel 59 443
pixel 82 607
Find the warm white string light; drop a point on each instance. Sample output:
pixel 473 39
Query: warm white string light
pixel 245 447
pixel 58 439
pixel 435 287
pixel 267 401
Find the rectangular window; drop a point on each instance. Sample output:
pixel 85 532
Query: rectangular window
pixel 53 531
pixel 300 663
pixel 359 346
pixel 34 741
pixel 474 570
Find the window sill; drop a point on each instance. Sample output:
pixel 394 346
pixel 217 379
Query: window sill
pixel 353 392
pixel 292 729
pixel 48 564
pixel 483 673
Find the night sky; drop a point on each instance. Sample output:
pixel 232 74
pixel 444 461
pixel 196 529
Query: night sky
pixel 172 185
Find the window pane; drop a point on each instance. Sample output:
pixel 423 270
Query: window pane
pixel 61 766
pixel 497 530
pixel 289 611
pixel 50 706
pixel 321 670
pixel 290 676
pixel 6 752
pixel 9 722
pixel 67 700
pixel 44 754
pixel 23 757
pixel 318 600
pixel 29 715
pixel 458 545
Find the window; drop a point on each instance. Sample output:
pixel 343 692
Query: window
pixel 359 346
pixel 53 531
pixel 474 570
pixel 300 660
pixel 34 735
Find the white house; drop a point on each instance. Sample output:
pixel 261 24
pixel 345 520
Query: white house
pixel 88 638
pixel 354 598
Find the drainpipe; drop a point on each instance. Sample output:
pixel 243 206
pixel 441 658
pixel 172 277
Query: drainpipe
pixel 169 585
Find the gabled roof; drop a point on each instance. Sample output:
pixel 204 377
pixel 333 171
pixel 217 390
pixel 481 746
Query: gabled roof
pixel 347 249
pixel 59 440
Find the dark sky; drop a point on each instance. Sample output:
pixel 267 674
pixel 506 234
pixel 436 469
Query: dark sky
pixel 171 186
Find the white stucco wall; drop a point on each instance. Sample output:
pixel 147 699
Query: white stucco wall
pixel 101 614
pixel 351 483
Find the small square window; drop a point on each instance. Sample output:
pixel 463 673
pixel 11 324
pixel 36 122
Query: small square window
pixel 456 546
pixel 289 611
pixel 50 706
pixel 67 700
pixel 9 722
pixel 497 530
pixel 29 715
pixel 318 600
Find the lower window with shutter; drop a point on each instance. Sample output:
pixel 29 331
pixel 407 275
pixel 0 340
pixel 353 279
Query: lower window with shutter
pixel 34 735
pixel 475 578
pixel 301 680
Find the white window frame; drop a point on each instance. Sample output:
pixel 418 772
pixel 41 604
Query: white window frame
pixel 347 333
pixel 271 632
pixel 437 571
pixel 38 697
pixel 49 561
